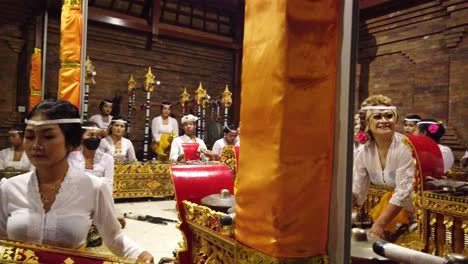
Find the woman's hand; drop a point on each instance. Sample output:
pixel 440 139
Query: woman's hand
pixel 209 154
pixel 378 230
pixel 145 257
pixel 181 157
pixel 122 221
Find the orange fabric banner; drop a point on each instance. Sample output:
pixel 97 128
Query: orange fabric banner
pixel 70 52
pixel 35 79
pixel 70 85
pixel 287 112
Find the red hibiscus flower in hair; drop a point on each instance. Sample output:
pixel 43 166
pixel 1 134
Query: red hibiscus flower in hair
pixel 433 128
pixel 361 137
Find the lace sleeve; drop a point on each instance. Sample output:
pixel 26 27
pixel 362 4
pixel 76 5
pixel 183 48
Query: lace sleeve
pixel 403 179
pixel 361 179
pixel 3 210
pixel 109 227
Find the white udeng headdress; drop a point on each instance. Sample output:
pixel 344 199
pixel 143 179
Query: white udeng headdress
pixel 234 131
pixel 189 118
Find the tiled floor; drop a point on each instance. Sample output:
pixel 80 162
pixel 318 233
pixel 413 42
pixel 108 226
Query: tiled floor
pixel 159 240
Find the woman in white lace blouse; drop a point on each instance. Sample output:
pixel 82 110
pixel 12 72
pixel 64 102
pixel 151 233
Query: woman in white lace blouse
pixel 383 161
pixel 116 144
pixel 55 204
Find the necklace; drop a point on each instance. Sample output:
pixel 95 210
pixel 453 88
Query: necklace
pixel 48 193
pixel 17 155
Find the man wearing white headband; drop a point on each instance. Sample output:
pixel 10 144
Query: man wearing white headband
pixel 104 118
pixel 229 139
pixel 189 126
pixel 15 156
pixel 384 160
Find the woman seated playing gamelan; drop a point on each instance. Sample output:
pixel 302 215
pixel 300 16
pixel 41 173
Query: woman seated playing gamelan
pixel 164 123
pixel 116 144
pixel 15 156
pixel 229 139
pixel 55 204
pixel 383 161
pixel 435 130
pixel 89 158
pixel 164 129
pixel 189 126
pixel 103 119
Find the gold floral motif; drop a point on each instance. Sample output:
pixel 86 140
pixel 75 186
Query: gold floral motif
pixel 90 72
pixel 445 204
pixel 448 223
pixel 22 252
pixel 201 96
pixel 131 85
pixel 149 82
pixel 228 157
pixel 72 3
pixel 184 97
pixel 227 99
pixel 68 261
pixel 209 247
pixel 246 255
pixel 142 180
pixel 207 218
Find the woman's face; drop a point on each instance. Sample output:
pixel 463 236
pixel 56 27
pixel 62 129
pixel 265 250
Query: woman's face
pixel 382 122
pixel 91 133
pixel 166 111
pixel 418 132
pixel 230 137
pixel 45 145
pixel 409 127
pixel 15 139
pixel 118 129
pixel 106 109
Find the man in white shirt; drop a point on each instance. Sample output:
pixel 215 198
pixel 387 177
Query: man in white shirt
pixel 229 139
pixel 189 126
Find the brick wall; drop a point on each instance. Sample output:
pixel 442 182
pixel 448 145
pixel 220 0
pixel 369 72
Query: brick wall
pixel 418 56
pixel 116 54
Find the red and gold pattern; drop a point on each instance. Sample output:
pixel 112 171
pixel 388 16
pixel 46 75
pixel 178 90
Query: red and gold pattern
pixel 20 252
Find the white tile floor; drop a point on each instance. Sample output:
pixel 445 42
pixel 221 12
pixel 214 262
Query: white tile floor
pixel 159 240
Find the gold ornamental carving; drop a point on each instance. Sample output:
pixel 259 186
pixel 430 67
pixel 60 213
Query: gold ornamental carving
pixel 131 85
pixel 23 252
pixel 90 72
pixel 142 180
pixel 445 204
pixel 207 218
pixel 149 82
pixel 227 97
pixel 228 157
pixel 184 97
